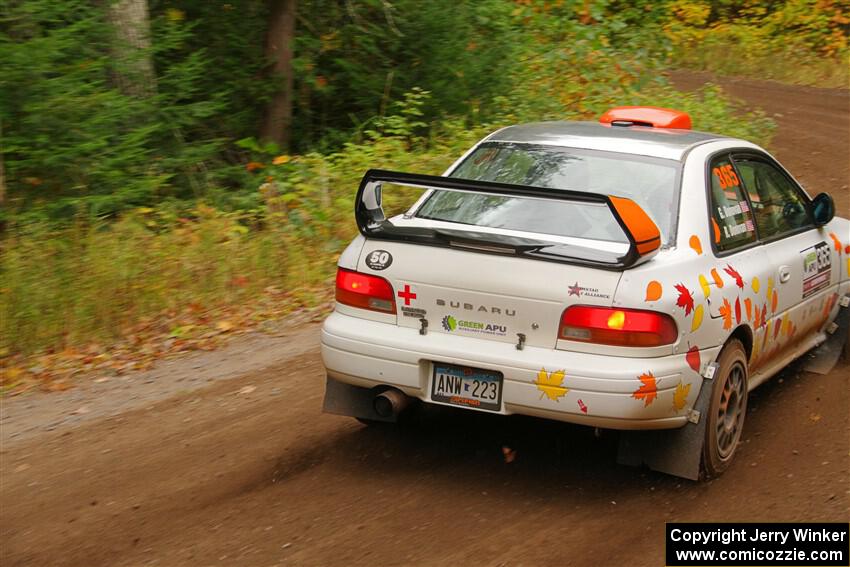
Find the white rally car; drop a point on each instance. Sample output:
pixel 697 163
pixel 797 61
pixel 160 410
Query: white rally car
pixel 629 274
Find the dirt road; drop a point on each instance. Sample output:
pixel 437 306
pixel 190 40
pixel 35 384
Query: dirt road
pixel 242 468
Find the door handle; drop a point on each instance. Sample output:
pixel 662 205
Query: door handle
pixel 784 274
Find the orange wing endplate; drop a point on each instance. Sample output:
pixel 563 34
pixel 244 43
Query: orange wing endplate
pixel 643 230
pixel 651 116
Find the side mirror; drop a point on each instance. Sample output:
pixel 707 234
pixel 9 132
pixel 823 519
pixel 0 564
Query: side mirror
pixel 823 209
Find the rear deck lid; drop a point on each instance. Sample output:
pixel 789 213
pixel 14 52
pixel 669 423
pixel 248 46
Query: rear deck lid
pixel 502 283
pixel 488 296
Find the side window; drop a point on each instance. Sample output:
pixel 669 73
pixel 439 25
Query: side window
pixel 778 204
pixel 731 219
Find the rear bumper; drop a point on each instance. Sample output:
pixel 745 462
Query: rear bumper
pixel 367 353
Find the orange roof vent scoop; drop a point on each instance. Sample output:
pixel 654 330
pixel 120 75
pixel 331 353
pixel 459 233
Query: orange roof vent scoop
pixel 649 116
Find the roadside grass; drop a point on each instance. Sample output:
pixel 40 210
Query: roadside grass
pixel 788 64
pixel 119 293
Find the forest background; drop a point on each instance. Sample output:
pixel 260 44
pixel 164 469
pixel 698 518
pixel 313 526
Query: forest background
pixel 174 171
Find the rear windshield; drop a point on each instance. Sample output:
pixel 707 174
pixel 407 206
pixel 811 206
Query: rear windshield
pixel 651 182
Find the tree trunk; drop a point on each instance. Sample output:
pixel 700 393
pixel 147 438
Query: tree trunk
pixel 277 123
pixel 2 169
pixel 133 69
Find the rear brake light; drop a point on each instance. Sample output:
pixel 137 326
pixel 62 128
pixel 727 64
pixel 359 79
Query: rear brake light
pixel 364 291
pixel 621 327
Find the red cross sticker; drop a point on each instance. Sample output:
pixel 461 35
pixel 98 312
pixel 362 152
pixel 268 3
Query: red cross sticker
pixel 406 295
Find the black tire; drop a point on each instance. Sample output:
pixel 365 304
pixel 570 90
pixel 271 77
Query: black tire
pixel 727 409
pixel 370 422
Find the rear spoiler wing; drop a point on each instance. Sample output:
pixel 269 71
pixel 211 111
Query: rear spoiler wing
pixel 642 233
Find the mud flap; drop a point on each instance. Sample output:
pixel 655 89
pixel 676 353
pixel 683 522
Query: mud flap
pixel 676 452
pixel 353 401
pixel 824 358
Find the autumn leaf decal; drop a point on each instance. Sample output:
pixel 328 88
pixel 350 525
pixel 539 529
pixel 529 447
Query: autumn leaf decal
pixel 748 305
pixel 653 291
pixel 686 298
pixel 756 352
pixel 647 391
pixel 680 395
pixel 693 358
pixel 726 313
pixel 695 244
pixel 697 321
pixel 550 384
pixel 718 281
pixel 703 283
pixel 737 310
pixel 739 281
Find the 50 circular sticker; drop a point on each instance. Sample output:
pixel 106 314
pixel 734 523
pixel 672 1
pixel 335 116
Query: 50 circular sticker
pixel 379 260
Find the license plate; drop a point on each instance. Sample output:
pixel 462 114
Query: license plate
pixel 468 387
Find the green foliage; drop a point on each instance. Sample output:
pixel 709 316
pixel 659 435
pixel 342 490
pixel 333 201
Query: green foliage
pixel 94 281
pixel 164 200
pixel 796 41
pixel 73 143
pixel 355 58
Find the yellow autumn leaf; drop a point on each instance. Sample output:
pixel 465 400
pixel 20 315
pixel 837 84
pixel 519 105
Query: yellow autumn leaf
pixel 11 375
pixel 549 383
pixel 175 15
pixel 756 284
pixel 280 160
pixel 680 395
pixel 224 326
pixel 703 283
pixel 698 313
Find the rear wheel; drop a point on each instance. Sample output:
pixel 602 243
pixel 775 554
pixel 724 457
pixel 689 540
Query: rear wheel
pixel 727 410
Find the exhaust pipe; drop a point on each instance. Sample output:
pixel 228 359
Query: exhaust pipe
pixel 390 402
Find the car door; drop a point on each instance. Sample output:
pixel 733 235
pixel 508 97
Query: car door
pixel 804 271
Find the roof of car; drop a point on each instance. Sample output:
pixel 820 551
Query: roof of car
pixel 647 141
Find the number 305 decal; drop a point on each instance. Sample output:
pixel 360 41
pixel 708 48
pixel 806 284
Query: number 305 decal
pixel 726 176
